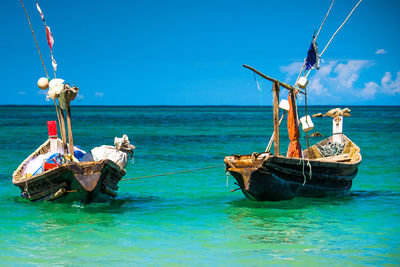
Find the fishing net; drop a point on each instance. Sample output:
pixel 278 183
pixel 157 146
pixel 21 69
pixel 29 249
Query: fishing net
pixel 331 149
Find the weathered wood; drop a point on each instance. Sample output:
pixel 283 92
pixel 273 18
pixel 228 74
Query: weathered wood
pixel 83 177
pixel 70 138
pixel 284 85
pixel 63 132
pixel 276 117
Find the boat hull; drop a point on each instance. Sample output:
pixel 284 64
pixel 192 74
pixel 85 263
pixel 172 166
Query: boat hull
pixel 281 178
pixel 84 181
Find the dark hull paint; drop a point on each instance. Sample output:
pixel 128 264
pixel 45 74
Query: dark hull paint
pixel 282 179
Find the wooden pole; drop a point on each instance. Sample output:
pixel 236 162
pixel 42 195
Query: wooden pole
pixel 276 117
pixel 63 133
pixel 70 138
pixel 284 85
pixel 58 117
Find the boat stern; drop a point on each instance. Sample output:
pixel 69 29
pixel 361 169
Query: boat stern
pixel 241 167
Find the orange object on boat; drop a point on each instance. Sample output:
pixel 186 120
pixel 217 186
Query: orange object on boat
pixel 294 149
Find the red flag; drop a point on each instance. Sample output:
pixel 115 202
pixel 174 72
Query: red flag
pixel 50 39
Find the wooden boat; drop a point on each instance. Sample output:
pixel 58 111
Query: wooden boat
pixel 87 181
pixel 267 177
pixel 307 173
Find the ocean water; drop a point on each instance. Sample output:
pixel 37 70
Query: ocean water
pixel 192 219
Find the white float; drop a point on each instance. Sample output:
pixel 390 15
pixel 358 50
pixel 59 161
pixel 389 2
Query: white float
pixel 302 82
pixel 306 123
pixel 43 83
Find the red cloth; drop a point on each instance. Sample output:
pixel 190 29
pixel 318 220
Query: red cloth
pixel 294 149
pixel 52 129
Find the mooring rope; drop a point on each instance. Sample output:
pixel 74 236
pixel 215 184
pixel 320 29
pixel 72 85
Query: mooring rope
pixel 172 173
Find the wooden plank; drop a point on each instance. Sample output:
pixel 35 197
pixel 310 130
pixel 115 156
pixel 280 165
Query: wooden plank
pixel 276 117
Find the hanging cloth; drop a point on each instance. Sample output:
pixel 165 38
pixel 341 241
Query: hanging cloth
pixel 294 149
pixel 312 60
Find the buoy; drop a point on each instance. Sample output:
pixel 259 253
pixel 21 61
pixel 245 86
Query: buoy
pixel 307 123
pixel 302 82
pixel 284 104
pixel 43 83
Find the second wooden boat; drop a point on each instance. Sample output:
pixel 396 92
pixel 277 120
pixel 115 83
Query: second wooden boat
pixel 267 177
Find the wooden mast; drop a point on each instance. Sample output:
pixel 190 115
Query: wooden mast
pixel 63 132
pixel 70 138
pixel 275 90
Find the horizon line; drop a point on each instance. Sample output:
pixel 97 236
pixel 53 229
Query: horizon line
pixel 78 105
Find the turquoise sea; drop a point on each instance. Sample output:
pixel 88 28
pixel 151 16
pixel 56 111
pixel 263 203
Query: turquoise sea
pixel 193 219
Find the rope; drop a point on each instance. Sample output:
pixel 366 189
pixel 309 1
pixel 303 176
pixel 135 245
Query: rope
pixel 302 161
pixel 320 27
pixel 41 58
pixel 26 13
pixel 259 89
pixel 308 142
pixel 298 77
pixel 171 173
pixel 340 28
pixel 330 40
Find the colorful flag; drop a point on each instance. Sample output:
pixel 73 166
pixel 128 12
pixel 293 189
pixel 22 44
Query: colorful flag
pixel 40 11
pixel 53 62
pixel 49 35
pixel 312 60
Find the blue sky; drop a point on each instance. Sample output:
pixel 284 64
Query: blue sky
pixel 191 52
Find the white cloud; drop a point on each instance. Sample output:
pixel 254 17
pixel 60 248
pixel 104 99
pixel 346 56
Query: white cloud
pixel 99 94
pixel 389 86
pixel 369 90
pixel 292 68
pixel 316 87
pixel 326 68
pixel 348 73
pixel 336 80
pixel 381 51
